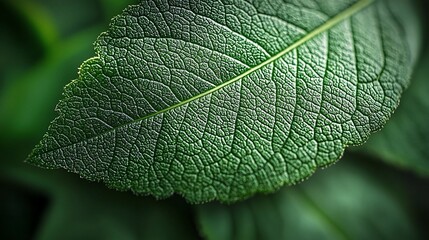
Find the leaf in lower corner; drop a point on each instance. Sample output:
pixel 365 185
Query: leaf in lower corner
pixel 343 202
pixel 215 100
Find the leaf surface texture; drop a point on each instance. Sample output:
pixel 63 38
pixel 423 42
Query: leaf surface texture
pixel 223 99
pixel 404 140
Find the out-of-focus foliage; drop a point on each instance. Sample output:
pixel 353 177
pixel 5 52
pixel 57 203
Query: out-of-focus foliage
pixel 43 43
pixel 41 53
pixel 342 202
pixel 82 210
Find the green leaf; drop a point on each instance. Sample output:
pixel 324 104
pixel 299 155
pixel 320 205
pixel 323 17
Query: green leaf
pixel 344 202
pixel 404 140
pixel 215 100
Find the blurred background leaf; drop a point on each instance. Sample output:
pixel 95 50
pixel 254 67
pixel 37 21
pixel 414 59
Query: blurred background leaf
pixel 79 209
pixel 58 41
pixel 343 202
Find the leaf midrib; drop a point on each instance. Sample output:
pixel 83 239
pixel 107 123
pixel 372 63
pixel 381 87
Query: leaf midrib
pixel 322 28
pixel 356 7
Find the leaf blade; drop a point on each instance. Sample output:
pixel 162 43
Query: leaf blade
pixel 249 133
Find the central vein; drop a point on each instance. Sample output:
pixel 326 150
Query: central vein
pixel 322 28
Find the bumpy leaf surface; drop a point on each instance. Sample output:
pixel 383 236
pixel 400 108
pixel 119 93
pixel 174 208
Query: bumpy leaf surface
pixel 222 99
pixel 405 139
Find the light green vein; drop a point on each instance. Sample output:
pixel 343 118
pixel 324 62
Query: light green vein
pixel 322 28
pixel 358 6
